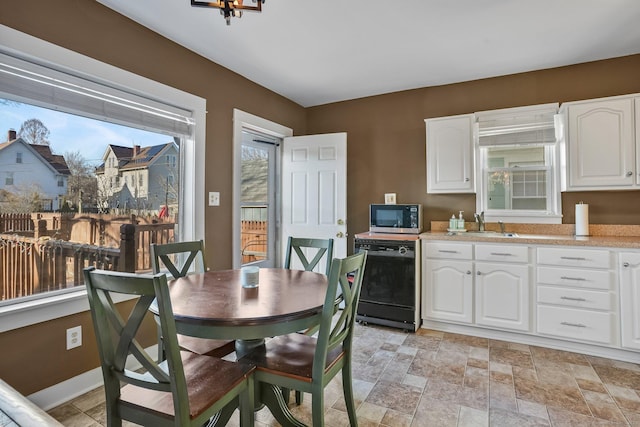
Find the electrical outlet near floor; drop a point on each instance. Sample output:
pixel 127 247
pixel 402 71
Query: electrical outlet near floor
pixel 214 198
pixel 74 337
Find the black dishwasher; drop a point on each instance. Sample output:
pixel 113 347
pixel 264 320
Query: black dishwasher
pixel 389 296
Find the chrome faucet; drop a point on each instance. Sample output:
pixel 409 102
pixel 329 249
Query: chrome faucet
pixel 479 217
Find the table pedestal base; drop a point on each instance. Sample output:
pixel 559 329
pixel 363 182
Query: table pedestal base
pixel 243 347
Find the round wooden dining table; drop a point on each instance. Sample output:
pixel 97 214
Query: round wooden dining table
pixel 216 305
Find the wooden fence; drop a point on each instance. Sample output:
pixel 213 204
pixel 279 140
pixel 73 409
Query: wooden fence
pixel 54 249
pixel 51 250
pixel 253 239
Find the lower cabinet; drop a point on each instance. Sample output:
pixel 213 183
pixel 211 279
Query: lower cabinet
pixel 502 296
pixel 584 296
pixel 449 295
pixel 476 292
pixel 630 299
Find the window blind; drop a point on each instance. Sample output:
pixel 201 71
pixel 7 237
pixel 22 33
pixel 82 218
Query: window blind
pixel 33 83
pixel 517 126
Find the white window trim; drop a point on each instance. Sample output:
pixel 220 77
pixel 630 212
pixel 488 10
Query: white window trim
pixel 554 213
pixel 191 226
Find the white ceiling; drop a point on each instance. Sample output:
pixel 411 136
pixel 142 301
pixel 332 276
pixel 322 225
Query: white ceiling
pixel 320 51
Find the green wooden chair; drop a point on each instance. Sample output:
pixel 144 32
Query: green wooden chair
pixel 178 259
pixel 299 245
pixel 318 248
pixel 186 389
pixel 308 363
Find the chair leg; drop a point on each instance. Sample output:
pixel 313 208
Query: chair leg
pixel 247 405
pixel 299 397
pixel 347 388
pixel 317 405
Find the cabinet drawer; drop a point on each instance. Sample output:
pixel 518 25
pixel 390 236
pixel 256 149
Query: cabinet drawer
pixel 596 279
pixel 583 325
pixel 449 250
pixel 504 253
pixel 578 298
pixel 591 258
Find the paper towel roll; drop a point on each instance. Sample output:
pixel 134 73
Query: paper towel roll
pixel 582 219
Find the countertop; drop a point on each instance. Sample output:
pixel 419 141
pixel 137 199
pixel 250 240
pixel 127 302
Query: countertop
pixel 602 235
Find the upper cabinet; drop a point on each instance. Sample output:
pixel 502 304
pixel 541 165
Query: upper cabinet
pixel 450 154
pixel 601 140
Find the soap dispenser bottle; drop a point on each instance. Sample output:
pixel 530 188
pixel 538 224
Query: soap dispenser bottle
pixel 460 221
pixel 453 223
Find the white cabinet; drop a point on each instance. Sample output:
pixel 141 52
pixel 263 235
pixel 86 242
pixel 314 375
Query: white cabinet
pixel 502 289
pixel 630 299
pixel 450 154
pixel 448 282
pixel 601 146
pixel 576 294
pixel 498 292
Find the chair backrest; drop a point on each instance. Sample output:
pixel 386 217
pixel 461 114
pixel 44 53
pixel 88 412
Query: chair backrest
pixel 116 334
pixel 300 244
pixel 345 279
pixel 177 257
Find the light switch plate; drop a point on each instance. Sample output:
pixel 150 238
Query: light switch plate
pixel 214 198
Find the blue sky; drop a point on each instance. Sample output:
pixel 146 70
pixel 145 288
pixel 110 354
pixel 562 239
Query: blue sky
pixel 69 133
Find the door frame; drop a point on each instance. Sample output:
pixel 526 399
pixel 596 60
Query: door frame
pixel 243 120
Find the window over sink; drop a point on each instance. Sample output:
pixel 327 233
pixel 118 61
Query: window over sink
pixel 517 164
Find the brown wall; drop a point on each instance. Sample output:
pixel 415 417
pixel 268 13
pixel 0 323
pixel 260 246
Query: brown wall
pixel 386 148
pixel 386 136
pixel 38 357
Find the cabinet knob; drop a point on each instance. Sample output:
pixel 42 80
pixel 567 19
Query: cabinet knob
pixel 478 273
pixel 629 173
pixel 466 180
pixel 625 264
pixel 468 271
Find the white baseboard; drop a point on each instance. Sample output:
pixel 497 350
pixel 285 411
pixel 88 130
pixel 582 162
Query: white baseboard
pixel 65 391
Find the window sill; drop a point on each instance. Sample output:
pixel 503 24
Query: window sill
pixel 27 313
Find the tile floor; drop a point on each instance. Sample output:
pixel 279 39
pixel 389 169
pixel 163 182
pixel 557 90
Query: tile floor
pixel 440 379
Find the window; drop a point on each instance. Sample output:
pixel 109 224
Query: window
pixel 8 180
pixel 18 157
pixel 517 168
pixel 29 84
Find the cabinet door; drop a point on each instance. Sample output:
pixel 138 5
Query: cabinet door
pixel 502 296
pixel 450 167
pixel 601 144
pixel 630 299
pixel 448 291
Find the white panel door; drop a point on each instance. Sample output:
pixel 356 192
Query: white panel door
pixel 630 299
pixel 314 190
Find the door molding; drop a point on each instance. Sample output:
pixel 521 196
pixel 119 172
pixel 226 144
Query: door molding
pixel 243 120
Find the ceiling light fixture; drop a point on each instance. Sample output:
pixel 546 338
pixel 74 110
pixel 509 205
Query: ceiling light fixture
pixel 229 8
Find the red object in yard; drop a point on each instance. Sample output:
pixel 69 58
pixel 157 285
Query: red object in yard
pixel 164 212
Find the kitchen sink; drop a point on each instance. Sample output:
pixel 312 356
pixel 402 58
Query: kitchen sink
pixel 491 233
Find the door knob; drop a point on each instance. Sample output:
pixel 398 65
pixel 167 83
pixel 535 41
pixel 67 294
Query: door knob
pixel 340 222
pixel 340 234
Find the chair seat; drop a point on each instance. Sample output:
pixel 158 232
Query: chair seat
pixel 208 380
pixel 291 355
pixel 206 347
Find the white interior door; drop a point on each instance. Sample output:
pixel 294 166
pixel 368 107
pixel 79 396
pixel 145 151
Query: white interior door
pixel 314 189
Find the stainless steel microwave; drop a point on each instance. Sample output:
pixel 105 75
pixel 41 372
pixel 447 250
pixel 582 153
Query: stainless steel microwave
pixel 403 219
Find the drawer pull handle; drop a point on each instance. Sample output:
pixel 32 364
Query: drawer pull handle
pixel 625 264
pixel 573 258
pixel 573 299
pixel 575 325
pixel 447 252
pixel 468 271
pixel 501 254
pixel 578 279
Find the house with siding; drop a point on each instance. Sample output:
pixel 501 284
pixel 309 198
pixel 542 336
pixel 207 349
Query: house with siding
pixel 33 168
pixel 142 179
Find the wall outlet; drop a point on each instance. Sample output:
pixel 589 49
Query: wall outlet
pixel 74 337
pixel 214 198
